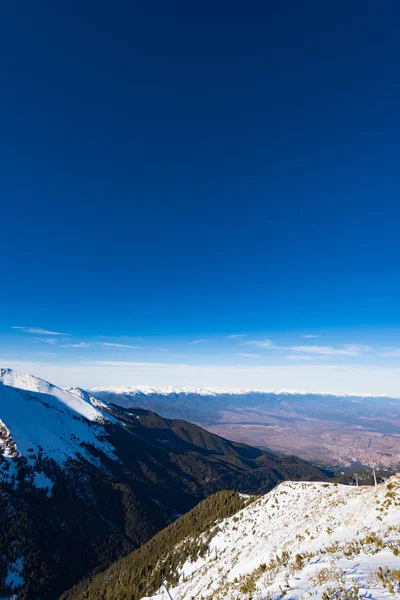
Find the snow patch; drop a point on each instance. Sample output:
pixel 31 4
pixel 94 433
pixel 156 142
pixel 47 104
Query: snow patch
pixel 43 482
pixel 14 578
pixel 87 397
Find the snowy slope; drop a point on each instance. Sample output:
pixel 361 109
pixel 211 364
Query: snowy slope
pixel 39 418
pixel 87 397
pixel 301 540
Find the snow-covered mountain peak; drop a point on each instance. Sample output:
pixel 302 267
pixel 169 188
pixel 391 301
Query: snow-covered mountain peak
pixel 170 390
pixel 302 539
pixel 24 381
pixel 40 419
pixel 87 397
pixel 71 401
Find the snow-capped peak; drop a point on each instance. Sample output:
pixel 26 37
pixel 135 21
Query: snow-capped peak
pixel 87 397
pixel 37 417
pixel 30 383
pixel 167 390
pixel 24 381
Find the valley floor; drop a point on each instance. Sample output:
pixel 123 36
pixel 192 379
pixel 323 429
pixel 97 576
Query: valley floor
pixel 321 442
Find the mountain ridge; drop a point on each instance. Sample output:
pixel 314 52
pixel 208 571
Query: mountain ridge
pixel 215 391
pixel 102 480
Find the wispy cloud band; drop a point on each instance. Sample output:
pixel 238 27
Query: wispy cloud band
pixel 39 331
pixel 343 350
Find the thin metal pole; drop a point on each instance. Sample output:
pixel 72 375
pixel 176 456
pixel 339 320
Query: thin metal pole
pixel 373 470
pixel 166 591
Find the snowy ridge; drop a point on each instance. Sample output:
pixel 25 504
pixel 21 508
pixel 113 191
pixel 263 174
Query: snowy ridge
pixel 30 383
pixel 218 391
pixel 38 418
pixel 323 540
pixel 148 390
pixel 87 397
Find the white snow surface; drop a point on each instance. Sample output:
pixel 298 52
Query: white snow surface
pixel 23 381
pixel 342 534
pixel 43 482
pixel 14 577
pixel 38 416
pixel 148 390
pixel 87 397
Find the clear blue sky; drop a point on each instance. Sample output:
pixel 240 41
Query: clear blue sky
pixel 187 170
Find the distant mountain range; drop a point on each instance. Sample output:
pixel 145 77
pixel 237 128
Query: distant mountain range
pixel 218 391
pixel 334 431
pixel 204 402
pixel 84 481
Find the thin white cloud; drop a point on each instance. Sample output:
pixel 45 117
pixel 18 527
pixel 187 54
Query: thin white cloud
pixel 248 355
pixel 260 343
pixel 391 353
pixel 115 345
pixel 346 350
pixel 236 336
pixel 299 357
pixel 39 331
pixel 199 341
pixel 310 335
pixel 51 341
pixel 56 342
pixel 102 344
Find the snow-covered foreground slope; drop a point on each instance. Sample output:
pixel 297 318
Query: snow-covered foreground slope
pixel 302 540
pixel 39 419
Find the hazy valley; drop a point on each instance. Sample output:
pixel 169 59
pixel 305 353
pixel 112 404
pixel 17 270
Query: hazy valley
pixel 333 431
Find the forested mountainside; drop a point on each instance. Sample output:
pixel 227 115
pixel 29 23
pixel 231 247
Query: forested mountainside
pixel 83 482
pixel 321 540
pixel 141 572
